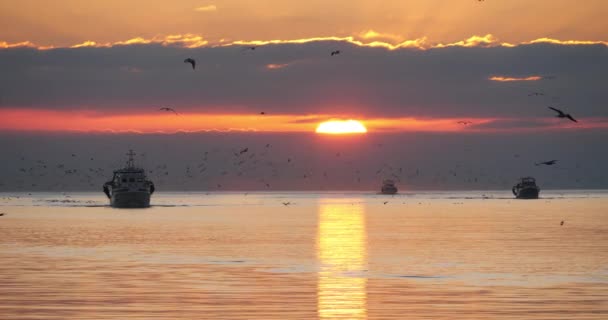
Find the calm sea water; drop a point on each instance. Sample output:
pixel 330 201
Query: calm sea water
pixel 440 255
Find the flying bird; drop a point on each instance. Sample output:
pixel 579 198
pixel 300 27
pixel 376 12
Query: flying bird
pixel 333 53
pixel 286 203
pixel 547 163
pixel 465 122
pixel 191 61
pixel 561 114
pixel 262 113
pixel 169 110
pixel 562 223
pixel 535 94
pixel 249 48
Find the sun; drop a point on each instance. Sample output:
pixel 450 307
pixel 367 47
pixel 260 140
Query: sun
pixel 341 127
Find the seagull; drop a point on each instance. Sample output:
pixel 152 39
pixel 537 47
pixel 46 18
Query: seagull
pixel 244 150
pixel 465 122
pixel 262 113
pixel 333 53
pixel 2 214
pixel 561 114
pixel 562 223
pixel 191 61
pixel 249 48
pixel 169 110
pixel 286 203
pixel 547 163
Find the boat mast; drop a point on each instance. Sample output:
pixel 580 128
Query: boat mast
pixel 131 162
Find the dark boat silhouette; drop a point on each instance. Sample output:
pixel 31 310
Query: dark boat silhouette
pixel 388 187
pixel 526 188
pixel 129 187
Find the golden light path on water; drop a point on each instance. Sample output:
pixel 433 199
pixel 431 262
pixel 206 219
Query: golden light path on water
pixel 342 255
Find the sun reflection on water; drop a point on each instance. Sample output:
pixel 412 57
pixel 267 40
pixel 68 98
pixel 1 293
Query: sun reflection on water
pixel 342 255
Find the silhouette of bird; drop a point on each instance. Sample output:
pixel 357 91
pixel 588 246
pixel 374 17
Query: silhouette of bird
pixel 561 114
pixel 249 48
pixel 547 163
pixel 333 53
pixel 262 113
pixel 244 150
pixel 562 223
pixel 169 110
pixel 385 202
pixel 535 94
pixel 465 122
pixel 286 203
pixel 2 214
pixel 191 61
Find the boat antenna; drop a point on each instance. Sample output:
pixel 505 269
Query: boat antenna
pixel 131 162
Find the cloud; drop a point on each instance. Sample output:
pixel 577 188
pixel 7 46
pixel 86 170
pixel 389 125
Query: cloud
pixel 364 81
pixel 474 41
pixel 181 40
pixel 368 38
pixel 23 44
pixel 514 79
pixel 566 42
pixel 273 66
pixel 207 8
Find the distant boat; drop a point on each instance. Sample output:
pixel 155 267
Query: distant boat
pixel 388 187
pixel 526 188
pixel 129 187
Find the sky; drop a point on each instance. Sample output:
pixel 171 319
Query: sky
pixel 458 90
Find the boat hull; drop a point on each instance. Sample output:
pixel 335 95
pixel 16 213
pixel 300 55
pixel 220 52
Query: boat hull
pixel 527 193
pixel 389 190
pixel 130 199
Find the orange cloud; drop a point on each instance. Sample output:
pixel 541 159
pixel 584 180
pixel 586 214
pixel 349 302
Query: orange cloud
pixel 89 44
pixel 474 41
pixel 366 39
pixel 207 8
pixel 567 42
pixel 273 66
pixel 513 79
pixel 183 40
pixel 6 45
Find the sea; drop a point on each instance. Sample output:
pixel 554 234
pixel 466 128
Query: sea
pixel 305 255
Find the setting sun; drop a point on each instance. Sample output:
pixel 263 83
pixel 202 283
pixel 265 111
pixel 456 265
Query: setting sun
pixel 341 127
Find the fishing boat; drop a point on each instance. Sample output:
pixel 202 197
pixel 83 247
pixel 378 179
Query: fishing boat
pixel 526 188
pixel 388 187
pixel 129 187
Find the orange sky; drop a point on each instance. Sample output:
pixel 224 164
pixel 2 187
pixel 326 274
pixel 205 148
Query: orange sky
pixel 26 120
pixel 69 22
